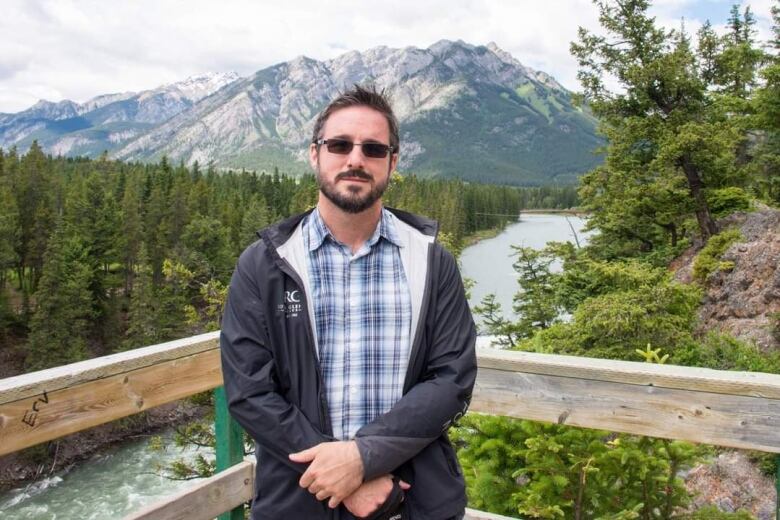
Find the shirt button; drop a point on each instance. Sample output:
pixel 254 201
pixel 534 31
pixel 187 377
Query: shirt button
pixel 353 302
pixel 353 390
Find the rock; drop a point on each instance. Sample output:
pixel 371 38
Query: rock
pixel 740 301
pixel 732 482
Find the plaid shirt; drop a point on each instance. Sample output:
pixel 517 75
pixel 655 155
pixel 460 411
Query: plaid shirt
pixel 363 313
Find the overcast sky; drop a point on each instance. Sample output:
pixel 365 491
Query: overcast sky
pixel 77 49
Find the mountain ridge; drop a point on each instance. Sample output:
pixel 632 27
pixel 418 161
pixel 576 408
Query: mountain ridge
pixel 467 111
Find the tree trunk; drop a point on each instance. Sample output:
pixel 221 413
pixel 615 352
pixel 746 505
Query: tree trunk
pixel 671 228
pixel 707 225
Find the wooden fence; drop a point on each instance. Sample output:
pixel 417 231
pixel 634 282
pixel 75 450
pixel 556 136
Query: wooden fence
pixel 734 409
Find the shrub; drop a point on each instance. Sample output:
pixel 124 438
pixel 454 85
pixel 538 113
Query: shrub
pixel 725 201
pixel 561 472
pixel 708 260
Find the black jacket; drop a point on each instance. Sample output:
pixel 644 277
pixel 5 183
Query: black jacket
pixel 274 388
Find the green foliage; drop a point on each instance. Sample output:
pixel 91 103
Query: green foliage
pixel 142 326
pixel 724 352
pixel 725 201
pixel 766 462
pixel 59 328
pixel 709 261
pixel 677 128
pixel 534 304
pixel 154 245
pixel 490 455
pixel 565 472
pixel 617 308
pixel 713 513
pixel 774 320
pixel 652 355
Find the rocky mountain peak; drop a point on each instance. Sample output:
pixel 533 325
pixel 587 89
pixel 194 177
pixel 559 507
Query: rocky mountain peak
pixel 53 110
pixel 466 110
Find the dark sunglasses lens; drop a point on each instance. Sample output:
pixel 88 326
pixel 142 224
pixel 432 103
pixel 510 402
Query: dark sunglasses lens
pixel 339 146
pixel 375 150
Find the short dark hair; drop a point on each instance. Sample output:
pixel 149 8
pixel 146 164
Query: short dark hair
pixel 367 96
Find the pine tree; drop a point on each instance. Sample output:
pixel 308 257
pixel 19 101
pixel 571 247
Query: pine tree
pixel 767 118
pixel 60 326
pixel 142 328
pixel 666 134
pixel 256 217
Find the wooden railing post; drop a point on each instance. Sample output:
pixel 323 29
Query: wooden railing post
pixel 230 444
pixel 777 486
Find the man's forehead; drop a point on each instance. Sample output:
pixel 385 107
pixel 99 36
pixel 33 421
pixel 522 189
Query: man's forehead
pixel 362 121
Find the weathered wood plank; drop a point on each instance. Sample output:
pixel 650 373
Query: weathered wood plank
pixel 753 384
pixel 206 499
pixel 56 413
pixel 35 383
pixel 473 514
pixel 736 421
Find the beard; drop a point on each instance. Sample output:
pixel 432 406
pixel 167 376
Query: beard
pixel 352 201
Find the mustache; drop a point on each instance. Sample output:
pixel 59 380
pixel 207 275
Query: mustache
pixel 353 174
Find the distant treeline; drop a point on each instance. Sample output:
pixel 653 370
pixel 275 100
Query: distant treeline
pixel 98 255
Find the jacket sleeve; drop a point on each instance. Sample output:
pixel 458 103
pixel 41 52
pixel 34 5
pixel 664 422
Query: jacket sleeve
pixel 444 391
pixel 250 375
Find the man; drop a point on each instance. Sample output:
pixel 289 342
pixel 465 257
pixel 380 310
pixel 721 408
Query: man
pixel 347 342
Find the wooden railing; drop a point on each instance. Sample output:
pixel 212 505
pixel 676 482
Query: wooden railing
pixel 734 409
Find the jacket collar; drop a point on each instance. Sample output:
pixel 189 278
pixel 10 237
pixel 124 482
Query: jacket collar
pixel 280 232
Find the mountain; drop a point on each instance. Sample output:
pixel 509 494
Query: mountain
pixel 105 122
pixel 466 111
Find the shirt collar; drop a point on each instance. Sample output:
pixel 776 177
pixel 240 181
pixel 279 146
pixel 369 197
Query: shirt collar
pixel 317 231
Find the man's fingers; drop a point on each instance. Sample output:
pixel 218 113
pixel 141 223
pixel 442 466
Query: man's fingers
pixel 306 479
pixel 333 503
pixel 322 495
pixel 304 456
pixel 404 485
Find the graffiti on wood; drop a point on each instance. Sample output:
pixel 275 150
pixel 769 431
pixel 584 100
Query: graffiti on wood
pixel 31 415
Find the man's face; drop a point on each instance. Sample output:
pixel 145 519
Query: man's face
pixel 352 181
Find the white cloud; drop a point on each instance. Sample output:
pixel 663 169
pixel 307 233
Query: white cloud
pixel 76 49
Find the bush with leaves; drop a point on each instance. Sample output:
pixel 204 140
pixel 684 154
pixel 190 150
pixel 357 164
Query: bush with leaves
pixel 709 260
pixel 561 472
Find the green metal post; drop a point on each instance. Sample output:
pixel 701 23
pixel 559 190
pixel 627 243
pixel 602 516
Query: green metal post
pixel 777 487
pixel 230 444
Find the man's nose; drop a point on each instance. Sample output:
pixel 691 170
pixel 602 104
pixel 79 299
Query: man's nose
pixel 355 158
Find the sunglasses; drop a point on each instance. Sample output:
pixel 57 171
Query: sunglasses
pixel 343 147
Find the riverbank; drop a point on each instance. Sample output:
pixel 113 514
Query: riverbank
pixel 486 234
pixel 576 212
pixel 481 235
pixel 21 468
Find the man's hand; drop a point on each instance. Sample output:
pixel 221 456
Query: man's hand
pixel 371 495
pixel 336 470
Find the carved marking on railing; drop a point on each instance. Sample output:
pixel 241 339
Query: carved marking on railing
pixel 31 416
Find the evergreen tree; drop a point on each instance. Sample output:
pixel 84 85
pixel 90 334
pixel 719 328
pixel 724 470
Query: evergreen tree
pixel 256 217
pixel 130 234
pixel 60 326
pixel 767 118
pixel 142 318
pixel 665 134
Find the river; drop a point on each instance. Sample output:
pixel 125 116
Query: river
pixel 122 479
pixel 489 262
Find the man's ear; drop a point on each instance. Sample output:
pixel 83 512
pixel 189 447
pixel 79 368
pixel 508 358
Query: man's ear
pixel 393 161
pixel 313 156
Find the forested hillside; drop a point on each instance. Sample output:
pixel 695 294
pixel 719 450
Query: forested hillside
pixel 99 255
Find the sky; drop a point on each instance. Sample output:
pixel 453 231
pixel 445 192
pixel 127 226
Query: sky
pixel 78 49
